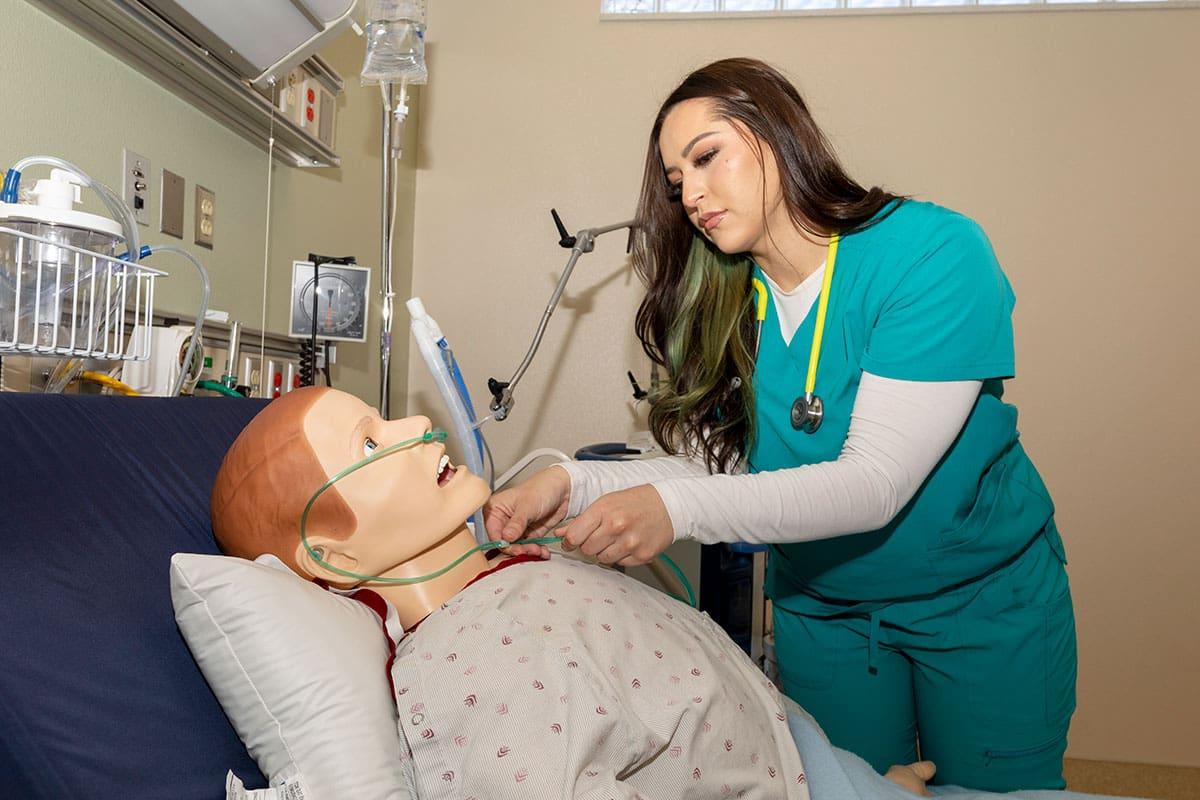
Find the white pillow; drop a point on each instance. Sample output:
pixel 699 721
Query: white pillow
pixel 301 673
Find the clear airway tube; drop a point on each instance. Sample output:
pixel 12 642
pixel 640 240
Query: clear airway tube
pixel 187 359
pixel 429 338
pixel 112 202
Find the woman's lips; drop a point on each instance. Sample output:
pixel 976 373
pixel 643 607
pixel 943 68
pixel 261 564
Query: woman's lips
pixel 711 220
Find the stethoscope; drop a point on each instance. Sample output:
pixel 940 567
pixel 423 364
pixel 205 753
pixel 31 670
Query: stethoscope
pixel 807 412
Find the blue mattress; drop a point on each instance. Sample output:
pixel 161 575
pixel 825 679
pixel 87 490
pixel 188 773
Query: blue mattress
pixel 99 695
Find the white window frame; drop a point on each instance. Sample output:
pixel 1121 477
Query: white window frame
pixel 904 7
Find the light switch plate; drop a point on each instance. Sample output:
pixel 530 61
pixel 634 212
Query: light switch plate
pixel 172 204
pixel 135 184
pixel 206 214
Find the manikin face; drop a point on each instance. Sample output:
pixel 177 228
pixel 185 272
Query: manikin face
pixel 714 166
pixel 405 502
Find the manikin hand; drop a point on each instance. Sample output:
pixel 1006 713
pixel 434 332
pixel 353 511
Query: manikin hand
pixel 628 528
pixel 531 509
pixel 913 777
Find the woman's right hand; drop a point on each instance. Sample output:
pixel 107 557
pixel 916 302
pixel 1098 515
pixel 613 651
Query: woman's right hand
pixel 528 510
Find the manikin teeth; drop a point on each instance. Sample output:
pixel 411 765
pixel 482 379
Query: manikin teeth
pixel 443 462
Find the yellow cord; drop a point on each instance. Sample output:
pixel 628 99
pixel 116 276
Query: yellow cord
pixel 109 381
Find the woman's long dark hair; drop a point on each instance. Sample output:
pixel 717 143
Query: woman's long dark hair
pixel 697 318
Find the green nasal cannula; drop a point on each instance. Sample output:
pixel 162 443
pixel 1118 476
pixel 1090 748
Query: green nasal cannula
pixel 430 436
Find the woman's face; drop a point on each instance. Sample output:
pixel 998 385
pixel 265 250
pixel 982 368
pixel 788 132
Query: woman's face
pixel 722 174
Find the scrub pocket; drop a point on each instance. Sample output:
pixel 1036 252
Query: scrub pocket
pixel 1023 698
pixel 1061 662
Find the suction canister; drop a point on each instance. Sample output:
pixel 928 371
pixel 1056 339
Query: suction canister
pixel 43 275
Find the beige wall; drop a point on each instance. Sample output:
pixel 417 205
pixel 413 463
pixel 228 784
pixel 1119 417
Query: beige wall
pixel 1071 136
pixel 64 96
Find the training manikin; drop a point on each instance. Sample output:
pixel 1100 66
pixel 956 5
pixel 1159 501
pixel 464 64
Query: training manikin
pixel 517 677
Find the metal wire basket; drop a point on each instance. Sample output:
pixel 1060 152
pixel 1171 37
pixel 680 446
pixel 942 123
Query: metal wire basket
pixel 57 299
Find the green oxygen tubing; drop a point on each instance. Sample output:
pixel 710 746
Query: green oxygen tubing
pixel 431 436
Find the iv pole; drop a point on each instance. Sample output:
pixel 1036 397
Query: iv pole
pixel 401 54
pixel 385 257
pixel 395 111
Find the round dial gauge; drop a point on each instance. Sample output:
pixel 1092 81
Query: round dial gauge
pixel 338 303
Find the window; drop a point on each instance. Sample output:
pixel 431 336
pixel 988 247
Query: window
pixel 666 9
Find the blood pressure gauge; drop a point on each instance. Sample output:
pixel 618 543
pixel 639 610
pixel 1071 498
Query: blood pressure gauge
pixel 341 301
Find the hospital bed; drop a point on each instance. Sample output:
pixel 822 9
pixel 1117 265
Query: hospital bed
pixel 99 695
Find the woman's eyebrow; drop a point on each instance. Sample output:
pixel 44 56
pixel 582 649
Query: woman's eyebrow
pixel 692 143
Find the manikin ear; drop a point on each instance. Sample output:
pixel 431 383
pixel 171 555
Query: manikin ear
pixel 332 552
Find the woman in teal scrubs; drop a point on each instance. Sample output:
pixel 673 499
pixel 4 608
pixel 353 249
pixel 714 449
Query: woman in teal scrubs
pixel 921 606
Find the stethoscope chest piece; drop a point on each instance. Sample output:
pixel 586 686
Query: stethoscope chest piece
pixel 807 413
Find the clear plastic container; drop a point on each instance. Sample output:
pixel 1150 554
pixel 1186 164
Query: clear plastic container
pixel 52 295
pixel 58 283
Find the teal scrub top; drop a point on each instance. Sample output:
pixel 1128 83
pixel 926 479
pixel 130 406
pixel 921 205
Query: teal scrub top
pixel 917 296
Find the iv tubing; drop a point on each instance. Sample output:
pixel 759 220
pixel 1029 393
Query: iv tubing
pixel 393 124
pixel 187 359
pixel 387 195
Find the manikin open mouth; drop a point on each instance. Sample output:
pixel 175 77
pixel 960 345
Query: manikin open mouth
pixel 445 471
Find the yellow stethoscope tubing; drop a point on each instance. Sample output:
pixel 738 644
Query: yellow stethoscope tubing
pixel 760 303
pixel 814 355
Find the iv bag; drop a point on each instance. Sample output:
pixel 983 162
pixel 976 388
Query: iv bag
pixel 395 42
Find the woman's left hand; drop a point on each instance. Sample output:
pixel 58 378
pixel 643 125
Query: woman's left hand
pixel 627 528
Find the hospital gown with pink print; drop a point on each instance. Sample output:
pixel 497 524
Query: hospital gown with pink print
pixel 557 678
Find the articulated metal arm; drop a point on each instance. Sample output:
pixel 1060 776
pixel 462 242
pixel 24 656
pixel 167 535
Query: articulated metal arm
pixel 582 242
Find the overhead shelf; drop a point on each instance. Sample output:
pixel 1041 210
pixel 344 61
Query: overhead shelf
pixel 141 38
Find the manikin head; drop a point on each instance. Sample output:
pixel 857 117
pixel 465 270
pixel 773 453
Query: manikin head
pixel 374 521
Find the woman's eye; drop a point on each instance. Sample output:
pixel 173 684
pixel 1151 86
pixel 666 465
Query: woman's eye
pixel 674 191
pixel 706 157
pixel 369 446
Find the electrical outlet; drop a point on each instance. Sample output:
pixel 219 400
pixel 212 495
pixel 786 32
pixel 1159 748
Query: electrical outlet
pixel 281 377
pixel 172 204
pixel 206 213
pixel 135 185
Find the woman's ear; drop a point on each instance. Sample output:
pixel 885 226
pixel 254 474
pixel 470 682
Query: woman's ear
pixel 323 553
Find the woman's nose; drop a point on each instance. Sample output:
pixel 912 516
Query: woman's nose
pixel 693 193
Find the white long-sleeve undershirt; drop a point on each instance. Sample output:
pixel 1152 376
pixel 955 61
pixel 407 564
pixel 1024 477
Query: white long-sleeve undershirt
pixel 899 430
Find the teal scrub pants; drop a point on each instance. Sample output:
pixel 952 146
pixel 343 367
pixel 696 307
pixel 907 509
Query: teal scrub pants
pixel 979 679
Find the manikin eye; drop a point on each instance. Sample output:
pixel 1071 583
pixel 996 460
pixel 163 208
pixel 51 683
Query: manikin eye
pixel 369 446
